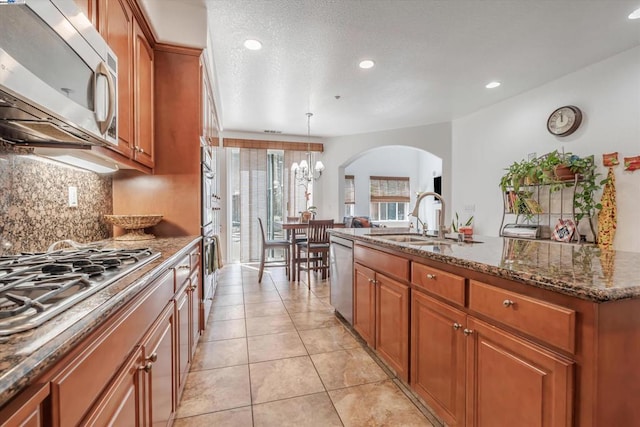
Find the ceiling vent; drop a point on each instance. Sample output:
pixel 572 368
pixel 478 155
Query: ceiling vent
pixel 272 131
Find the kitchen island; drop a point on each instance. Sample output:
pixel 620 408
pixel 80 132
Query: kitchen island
pixel 42 357
pixel 504 332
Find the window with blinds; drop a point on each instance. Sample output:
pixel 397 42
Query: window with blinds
pixel 389 198
pixel 349 190
pixel 389 189
pixel 349 195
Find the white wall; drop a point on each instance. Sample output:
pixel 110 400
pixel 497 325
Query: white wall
pixel 400 161
pixel 484 143
pixel 342 151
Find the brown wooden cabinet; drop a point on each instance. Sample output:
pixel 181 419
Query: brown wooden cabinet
pixel 122 404
pixel 438 356
pixel 116 26
pixel 27 410
pixel 158 366
pixel 514 382
pixel 392 323
pixel 143 150
pixel 476 374
pixel 364 303
pixel 122 31
pixel 381 306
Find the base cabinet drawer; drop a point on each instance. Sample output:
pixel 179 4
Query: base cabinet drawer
pixel 549 322
pixel 441 283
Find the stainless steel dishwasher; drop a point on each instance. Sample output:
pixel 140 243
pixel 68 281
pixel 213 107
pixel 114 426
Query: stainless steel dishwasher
pixel 341 276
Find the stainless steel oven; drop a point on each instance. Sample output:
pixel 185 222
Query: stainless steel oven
pixel 209 240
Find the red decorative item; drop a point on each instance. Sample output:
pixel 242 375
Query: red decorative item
pixel 610 159
pixel 631 163
pixel 564 230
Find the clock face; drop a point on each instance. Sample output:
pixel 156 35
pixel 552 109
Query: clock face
pixel 564 121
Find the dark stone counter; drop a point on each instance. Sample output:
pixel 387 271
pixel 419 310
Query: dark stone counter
pixel 583 271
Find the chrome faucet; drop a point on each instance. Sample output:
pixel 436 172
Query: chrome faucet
pixel 416 211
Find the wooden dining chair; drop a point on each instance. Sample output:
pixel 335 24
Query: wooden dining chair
pixel 273 244
pixel 313 254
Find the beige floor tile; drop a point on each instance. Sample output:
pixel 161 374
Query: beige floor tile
pixel 260 297
pixel 378 404
pixel 269 325
pixel 240 417
pixel 230 299
pixel 228 290
pixel 347 368
pixel 275 346
pixel 328 339
pixel 227 312
pixel 284 378
pixel 294 293
pixel 314 320
pixel 310 303
pixel 321 292
pixel 265 309
pixel 261 288
pixel 218 354
pixel 215 390
pixel 314 410
pixel 224 330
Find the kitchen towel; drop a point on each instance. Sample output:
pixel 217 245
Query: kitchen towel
pixel 217 253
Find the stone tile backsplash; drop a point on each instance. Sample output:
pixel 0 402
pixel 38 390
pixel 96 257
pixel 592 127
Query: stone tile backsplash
pixel 34 197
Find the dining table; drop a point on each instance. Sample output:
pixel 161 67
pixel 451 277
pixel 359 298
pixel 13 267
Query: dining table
pixel 292 229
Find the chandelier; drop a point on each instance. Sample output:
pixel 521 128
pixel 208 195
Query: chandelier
pixel 306 171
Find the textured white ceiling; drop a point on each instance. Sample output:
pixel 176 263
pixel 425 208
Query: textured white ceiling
pixel 433 57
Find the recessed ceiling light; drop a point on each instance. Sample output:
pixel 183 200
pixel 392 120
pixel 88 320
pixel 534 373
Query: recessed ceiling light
pixel 635 14
pixel 252 44
pixel 367 63
pixel 492 85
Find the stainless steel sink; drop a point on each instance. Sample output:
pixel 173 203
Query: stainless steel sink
pixel 402 238
pixel 418 240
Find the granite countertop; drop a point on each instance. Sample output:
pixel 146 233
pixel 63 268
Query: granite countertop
pixel 26 355
pixel 582 271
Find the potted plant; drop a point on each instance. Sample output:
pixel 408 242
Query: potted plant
pixel 466 228
pixel 514 176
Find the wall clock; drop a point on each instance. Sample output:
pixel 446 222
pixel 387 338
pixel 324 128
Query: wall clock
pixel 564 121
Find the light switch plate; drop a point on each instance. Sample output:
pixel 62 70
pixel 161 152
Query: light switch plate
pixel 73 197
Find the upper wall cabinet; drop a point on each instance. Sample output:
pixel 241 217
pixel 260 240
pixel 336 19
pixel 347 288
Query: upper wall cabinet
pixel 117 23
pixel 116 26
pixel 143 98
pixel 209 123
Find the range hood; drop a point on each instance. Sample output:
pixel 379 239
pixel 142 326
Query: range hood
pixel 24 124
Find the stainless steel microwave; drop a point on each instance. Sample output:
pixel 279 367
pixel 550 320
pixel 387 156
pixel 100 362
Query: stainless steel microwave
pixel 58 77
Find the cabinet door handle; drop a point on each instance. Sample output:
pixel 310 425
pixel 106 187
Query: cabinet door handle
pixel 457 326
pixel 147 367
pixel 183 267
pixel 431 276
pixel 372 281
pixel 507 303
pixel 193 288
pixel 153 357
pixel 467 332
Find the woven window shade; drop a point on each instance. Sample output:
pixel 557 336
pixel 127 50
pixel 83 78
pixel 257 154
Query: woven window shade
pixel 349 190
pixel 389 189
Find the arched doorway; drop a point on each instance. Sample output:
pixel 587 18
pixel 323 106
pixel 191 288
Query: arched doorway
pixel 421 167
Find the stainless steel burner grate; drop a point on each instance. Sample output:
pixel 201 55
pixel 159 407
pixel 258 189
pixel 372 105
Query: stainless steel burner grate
pixel 34 287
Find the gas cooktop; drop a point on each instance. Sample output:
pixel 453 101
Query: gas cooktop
pixel 34 287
